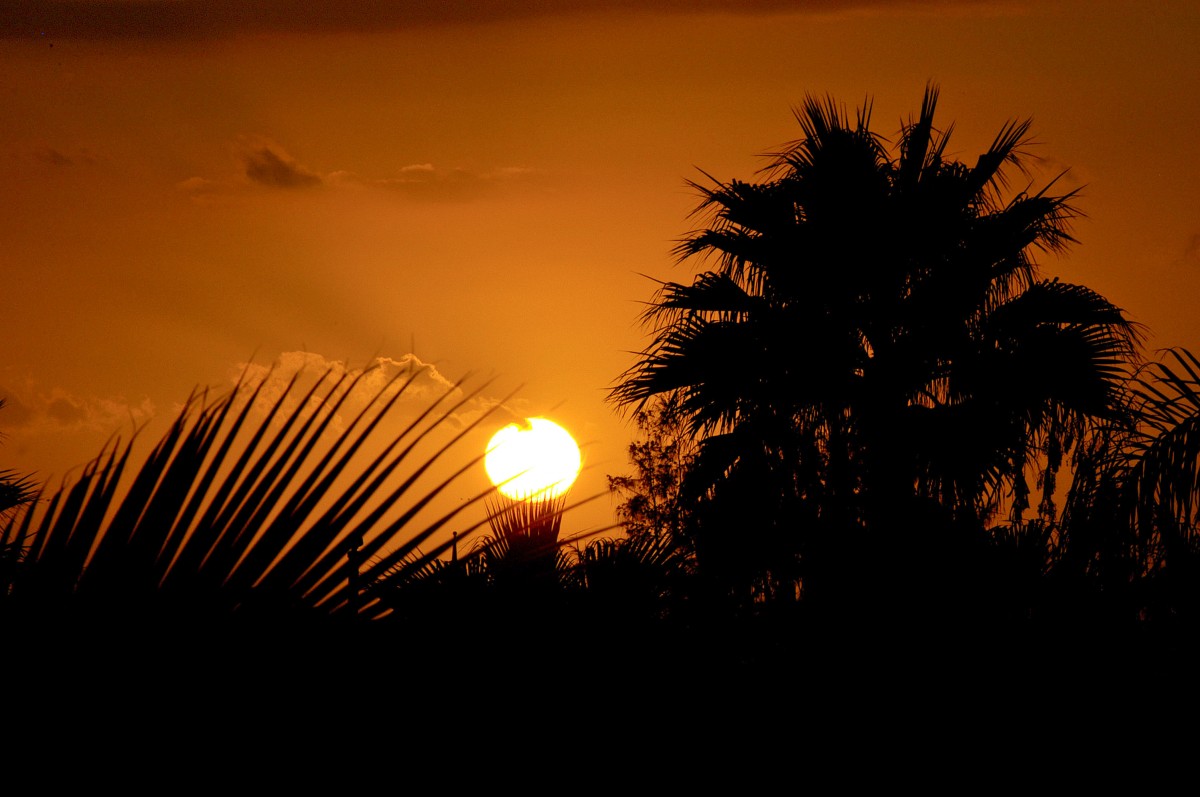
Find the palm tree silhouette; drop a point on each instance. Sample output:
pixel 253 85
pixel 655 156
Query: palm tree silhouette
pixel 1131 523
pixel 873 350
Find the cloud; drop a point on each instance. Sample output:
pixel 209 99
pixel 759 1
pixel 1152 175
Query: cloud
pixel 50 156
pixel 14 411
pixel 415 385
pixel 199 186
pixel 33 409
pixel 426 181
pixel 266 163
pixel 50 430
pixel 208 19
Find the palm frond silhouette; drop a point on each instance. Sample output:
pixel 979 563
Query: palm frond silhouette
pixel 247 509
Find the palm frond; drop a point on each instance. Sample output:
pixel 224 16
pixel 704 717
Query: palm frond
pixel 1165 475
pixel 988 180
pixel 229 516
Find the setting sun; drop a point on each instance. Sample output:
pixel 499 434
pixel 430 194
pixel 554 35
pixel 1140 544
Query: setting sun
pixel 532 460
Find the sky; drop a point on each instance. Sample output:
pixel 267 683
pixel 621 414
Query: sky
pixel 192 188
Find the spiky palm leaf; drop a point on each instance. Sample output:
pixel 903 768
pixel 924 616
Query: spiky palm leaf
pixel 232 519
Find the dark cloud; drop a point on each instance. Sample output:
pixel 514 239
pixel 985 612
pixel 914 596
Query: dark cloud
pixel 271 166
pixel 13 412
pixel 51 157
pixel 66 411
pixel 35 411
pixel 191 19
pixel 264 162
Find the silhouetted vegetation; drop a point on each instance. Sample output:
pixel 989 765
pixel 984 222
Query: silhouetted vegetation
pixel 871 419
pixel 16 489
pixel 878 377
pixel 239 528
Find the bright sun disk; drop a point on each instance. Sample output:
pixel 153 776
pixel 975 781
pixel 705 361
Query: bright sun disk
pixel 534 460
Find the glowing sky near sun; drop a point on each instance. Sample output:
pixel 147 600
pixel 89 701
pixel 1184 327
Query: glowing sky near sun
pixel 190 186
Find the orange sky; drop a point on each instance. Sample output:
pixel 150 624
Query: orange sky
pixel 190 185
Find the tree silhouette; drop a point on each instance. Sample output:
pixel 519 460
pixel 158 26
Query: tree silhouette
pixel 873 360
pixel 662 456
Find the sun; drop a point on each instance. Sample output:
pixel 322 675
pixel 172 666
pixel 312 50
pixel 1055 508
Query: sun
pixel 534 460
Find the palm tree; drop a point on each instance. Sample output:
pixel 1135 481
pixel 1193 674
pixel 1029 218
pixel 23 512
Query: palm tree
pixel 1131 524
pixel 873 352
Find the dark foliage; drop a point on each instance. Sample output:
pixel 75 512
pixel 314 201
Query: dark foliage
pixel 842 423
pixel 875 370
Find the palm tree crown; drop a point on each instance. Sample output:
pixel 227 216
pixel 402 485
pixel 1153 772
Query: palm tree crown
pixel 873 328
